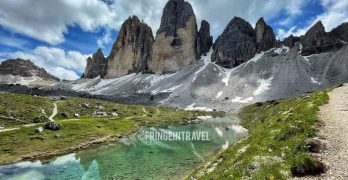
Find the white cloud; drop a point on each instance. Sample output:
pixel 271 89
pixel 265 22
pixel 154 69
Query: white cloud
pixel 49 20
pixel 335 13
pixel 106 39
pixel 219 13
pixel 13 42
pixel 65 65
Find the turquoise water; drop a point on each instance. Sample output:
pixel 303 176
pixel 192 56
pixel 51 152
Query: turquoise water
pixel 137 157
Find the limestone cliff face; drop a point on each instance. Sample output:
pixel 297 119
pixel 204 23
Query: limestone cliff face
pixel 24 68
pixel 96 65
pixel 235 45
pixel 316 40
pixel 291 41
pixel 175 46
pixel 265 37
pixel 131 51
pixel 204 39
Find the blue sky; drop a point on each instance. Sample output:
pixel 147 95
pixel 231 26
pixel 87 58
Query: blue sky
pixel 59 35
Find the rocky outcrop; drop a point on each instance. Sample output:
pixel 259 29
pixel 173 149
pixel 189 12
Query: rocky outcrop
pixel 96 65
pixel 235 45
pixel 291 41
pixel 265 37
pixel 24 68
pixel 204 39
pixel 175 46
pixel 316 40
pixel 341 32
pixel 131 51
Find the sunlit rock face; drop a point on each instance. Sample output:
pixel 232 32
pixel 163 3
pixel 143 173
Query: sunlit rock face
pixel 96 65
pixel 175 46
pixel 265 37
pixel 131 51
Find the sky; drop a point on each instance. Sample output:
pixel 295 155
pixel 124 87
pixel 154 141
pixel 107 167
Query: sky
pixel 59 35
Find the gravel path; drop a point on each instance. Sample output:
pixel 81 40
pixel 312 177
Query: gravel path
pixel 54 113
pixel 335 134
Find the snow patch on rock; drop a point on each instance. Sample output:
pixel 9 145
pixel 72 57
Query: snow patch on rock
pixel 263 85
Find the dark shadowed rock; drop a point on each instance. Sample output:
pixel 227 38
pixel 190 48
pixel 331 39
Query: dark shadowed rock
pixel 53 126
pixel 204 39
pixel 24 68
pixel 291 41
pixel 96 65
pixel 341 32
pixel 131 51
pixel 265 37
pixel 175 46
pixel 310 167
pixel 316 40
pixel 235 45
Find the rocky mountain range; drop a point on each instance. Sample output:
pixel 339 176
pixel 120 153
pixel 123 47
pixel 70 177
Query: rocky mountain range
pixel 183 67
pixel 24 68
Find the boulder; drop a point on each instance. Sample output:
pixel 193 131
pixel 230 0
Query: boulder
pixel 265 37
pixel 53 126
pixel 76 115
pixel 64 115
pixel 39 130
pixel 114 114
pixel 96 65
pixel 291 41
pixel 314 145
pixel 204 39
pixel 131 51
pixel 99 107
pixel 40 119
pixel 235 45
pixel 316 41
pixel 85 105
pixel 175 46
pixel 310 167
pixel 99 114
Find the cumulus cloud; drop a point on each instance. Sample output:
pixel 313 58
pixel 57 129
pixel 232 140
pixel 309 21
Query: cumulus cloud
pixel 65 65
pixel 49 20
pixel 335 13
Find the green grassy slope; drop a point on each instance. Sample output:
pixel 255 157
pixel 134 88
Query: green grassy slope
pixel 276 141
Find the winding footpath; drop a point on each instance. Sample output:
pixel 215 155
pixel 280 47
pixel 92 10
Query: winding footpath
pixel 54 113
pixel 335 134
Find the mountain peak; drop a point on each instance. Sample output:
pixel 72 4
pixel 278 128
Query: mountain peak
pixel 24 68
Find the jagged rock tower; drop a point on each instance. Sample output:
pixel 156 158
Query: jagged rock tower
pixel 96 65
pixel 131 51
pixel 265 37
pixel 175 46
pixel 240 42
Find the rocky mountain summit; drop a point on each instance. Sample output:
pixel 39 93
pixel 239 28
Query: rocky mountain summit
pixel 24 68
pixel 131 51
pixel 204 39
pixel 316 40
pixel 265 37
pixel 96 65
pixel 291 41
pixel 175 46
pixel 236 44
